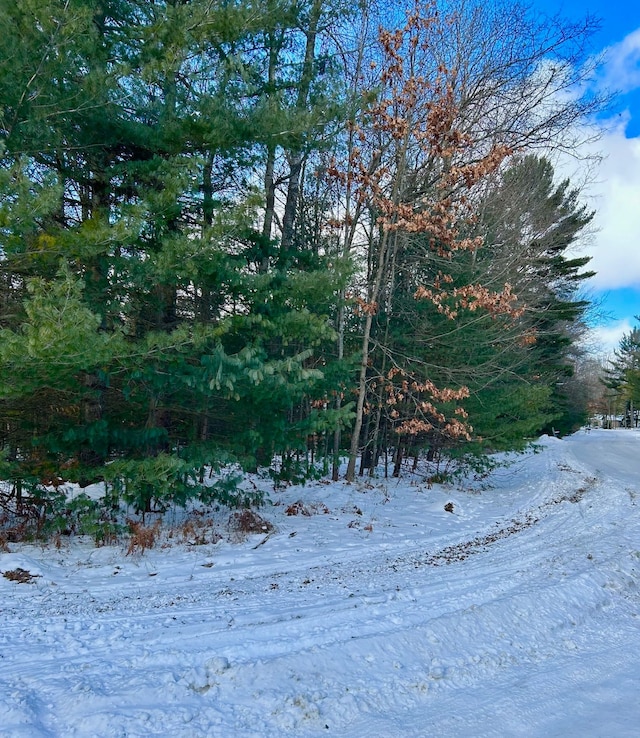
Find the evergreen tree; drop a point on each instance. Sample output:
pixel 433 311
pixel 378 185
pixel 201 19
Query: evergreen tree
pixel 130 215
pixel 622 377
pixel 188 274
pixel 532 224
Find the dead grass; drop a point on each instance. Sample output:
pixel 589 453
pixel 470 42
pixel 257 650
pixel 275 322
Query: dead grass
pixel 312 508
pixel 248 521
pixel 196 531
pixel 142 537
pixel 297 508
pixel 22 576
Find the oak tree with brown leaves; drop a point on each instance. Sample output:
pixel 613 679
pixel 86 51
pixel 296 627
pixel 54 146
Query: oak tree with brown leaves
pixel 416 180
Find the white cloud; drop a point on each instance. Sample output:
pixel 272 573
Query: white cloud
pixel 621 68
pixel 615 247
pixel 615 193
pixel 604 339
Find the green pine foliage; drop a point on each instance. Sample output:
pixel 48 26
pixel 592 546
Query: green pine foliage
pixel 622 377
pixel 174 293
pixel 533 222
pixel 141 340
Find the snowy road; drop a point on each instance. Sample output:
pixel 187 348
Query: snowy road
pixel 516 615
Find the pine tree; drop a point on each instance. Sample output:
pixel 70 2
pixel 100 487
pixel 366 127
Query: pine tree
pixel 532 225
pixel 131 213
pixel 622 377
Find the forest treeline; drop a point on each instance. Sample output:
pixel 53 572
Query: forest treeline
pixel 300 230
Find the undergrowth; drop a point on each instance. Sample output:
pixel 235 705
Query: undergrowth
pixel 31 510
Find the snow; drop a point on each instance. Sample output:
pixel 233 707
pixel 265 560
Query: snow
pixel 378 614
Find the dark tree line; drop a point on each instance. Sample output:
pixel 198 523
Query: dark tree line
pixel 247 230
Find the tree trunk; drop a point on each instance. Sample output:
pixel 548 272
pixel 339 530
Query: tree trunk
pixel 296 156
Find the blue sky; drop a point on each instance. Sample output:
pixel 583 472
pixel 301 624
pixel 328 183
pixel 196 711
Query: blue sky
pixel 615 193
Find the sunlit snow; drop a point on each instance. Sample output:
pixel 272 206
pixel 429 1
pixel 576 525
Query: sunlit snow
pixel 378 614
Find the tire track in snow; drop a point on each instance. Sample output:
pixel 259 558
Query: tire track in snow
pixel 473 619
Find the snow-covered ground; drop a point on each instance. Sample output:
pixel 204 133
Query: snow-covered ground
pixel 379 614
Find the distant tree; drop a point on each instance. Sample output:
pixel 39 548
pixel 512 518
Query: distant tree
pixel 622 376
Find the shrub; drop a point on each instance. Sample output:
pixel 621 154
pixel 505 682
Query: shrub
pixel 39 512
pixel 248 521
pixel 155 483
pixel 142 537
